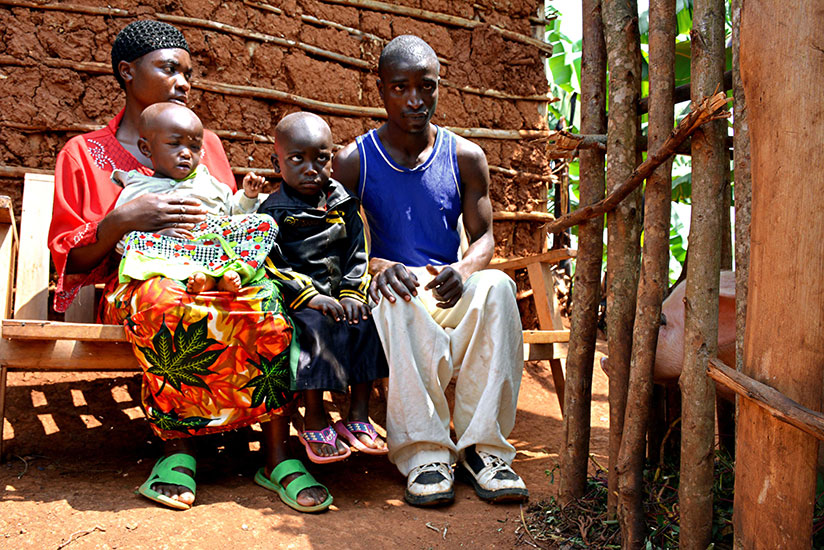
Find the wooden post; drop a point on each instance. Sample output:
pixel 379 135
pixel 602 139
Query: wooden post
pixel 654 277
pixel 587 287
pixel 743 187
pixel 775 473
pixel 623 224
pixel 709 157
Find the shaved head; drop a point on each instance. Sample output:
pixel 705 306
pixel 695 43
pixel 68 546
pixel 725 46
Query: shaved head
pixel 406 49
pixel 301 124
pixel 164 116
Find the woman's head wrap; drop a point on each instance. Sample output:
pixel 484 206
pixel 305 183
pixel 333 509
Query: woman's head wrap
pixel 141 37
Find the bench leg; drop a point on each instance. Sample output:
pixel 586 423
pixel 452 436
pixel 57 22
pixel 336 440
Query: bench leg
pixel 558 379
pixel 3 373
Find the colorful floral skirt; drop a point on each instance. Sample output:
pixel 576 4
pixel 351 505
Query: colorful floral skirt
pixel 211 362
pixel 221 243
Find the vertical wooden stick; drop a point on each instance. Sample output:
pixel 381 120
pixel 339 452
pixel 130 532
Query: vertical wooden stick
pixel 587 286
pixel 654 277
pixel 703 271
pixel 623 224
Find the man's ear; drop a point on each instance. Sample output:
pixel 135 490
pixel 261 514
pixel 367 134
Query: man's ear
pixel 275 163
pixel 379 84
pixel 143 147
pixel 126 71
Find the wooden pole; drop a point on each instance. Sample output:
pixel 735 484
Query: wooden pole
pixel 775 473
pixel 654 277
pixel 623 223
pixel 703 275
pixel 743 188
pixel 444 19
pixel 574 454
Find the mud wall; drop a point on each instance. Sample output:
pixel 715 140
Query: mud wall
pixel 55 80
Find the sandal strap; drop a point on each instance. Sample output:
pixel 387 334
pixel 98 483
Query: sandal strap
pixel 163 471
pixel 358 427
pixel 326 435
pixel 292 466
pixel 286 468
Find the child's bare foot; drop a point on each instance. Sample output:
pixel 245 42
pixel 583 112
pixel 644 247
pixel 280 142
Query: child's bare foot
pixel 359 415
pixel 230 282
pixel 368 437
pixel 200 282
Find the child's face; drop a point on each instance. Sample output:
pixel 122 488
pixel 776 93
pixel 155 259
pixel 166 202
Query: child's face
pixel 174 146
pixel 303 155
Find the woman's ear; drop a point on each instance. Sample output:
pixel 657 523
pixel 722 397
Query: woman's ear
pixel 126 71
pixel 143 147
pixel 275 163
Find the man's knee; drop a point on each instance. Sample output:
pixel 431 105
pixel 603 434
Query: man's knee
pixel 496 281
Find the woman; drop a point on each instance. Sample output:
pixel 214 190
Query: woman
pixel 212 362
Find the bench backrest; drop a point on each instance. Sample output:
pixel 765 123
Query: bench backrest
pixel 31 297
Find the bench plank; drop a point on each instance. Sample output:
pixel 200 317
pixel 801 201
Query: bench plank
pixel 32 289
pixel 67 355
pixel 540 336
pixel 18 329
pixel 551 257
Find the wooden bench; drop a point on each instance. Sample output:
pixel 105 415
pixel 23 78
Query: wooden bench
pixel 30 342
pixel 542 344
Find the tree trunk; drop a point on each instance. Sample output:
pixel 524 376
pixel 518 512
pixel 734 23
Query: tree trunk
pixel 654 276
pixel 587 288
pixel 743 188
pixel 701 297
pixel 775 474
pixel 623 224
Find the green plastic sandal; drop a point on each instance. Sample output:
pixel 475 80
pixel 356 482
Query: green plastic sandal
pixel 289 493
pixel 163 472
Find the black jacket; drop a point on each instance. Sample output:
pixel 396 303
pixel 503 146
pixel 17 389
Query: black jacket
pixel 319 249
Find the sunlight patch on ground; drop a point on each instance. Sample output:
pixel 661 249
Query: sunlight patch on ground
pixel 254 446
pixel 90 421
pixel 121 394
pixel 78 399
pixel 49 426
pixel 8 431
pixel 38 399
pixel 133 413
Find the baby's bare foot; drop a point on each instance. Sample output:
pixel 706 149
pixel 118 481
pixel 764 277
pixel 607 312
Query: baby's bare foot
pixel 200 282
pixel 230 282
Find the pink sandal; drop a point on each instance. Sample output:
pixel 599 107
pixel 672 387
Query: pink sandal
pixel 326 436
pixel 348 431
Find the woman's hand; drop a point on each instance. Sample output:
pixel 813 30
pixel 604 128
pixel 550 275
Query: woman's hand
pixel 177 233
pixel 328 306
pixel 152 212
pixel 355 310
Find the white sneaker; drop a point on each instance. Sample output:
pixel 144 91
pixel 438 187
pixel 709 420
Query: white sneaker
pixel 430 485
pixel 491 477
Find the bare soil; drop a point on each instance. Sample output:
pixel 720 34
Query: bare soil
pixel 78 448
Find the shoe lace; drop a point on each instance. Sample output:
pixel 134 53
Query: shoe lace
pixel 495 462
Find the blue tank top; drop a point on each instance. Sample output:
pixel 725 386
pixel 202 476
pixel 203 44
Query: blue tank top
pixel 412 212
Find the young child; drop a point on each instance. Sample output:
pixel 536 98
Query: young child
pixel 231 245
pixel 320 260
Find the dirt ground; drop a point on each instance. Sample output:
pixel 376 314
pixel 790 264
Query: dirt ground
pixel 78 447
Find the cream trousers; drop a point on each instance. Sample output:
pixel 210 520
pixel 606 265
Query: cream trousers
pixel 480 340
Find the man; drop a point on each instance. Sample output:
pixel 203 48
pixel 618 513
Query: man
pixel 415 180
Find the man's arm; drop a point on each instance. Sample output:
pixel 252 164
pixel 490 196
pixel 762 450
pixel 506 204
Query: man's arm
pixel 477 220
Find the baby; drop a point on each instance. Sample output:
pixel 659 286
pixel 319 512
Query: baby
pixel 320 261
pixel 228 249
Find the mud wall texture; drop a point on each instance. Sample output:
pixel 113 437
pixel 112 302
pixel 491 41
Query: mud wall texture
pixel 55 80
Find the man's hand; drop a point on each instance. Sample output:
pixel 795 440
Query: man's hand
pixel 328 306
pixel 447 286
pixel 355 310
pixel 177 233
pixel 389 277
pixel 253 185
